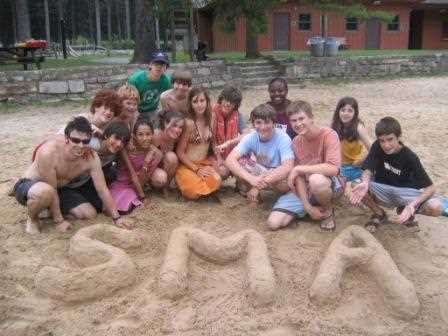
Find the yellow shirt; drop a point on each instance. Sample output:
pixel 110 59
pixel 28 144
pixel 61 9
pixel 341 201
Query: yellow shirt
pixel 351 151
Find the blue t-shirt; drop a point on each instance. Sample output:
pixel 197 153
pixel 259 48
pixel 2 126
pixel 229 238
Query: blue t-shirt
pixel 269 154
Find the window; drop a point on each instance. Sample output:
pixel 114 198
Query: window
pixel 351 23
pixel 445 29
pixel 304 21
pixel 394 25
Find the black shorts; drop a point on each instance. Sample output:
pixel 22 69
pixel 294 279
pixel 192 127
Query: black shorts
pixel 70 198
pixel 21 189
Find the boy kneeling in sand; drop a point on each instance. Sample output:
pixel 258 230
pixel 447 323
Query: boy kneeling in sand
pixel 399 180
pixel 315 180
pixel 272 149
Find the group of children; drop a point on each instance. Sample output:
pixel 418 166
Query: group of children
pixel 158 133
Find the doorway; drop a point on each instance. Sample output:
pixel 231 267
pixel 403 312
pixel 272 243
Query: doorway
pixel 281 31
pixel 416 29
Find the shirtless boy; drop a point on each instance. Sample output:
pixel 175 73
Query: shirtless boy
pixel 175 99
pixel 58 161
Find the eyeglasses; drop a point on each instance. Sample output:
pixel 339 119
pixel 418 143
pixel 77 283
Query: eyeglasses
pixel 78 141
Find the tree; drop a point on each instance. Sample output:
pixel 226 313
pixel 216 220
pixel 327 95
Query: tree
pixel 23 20
pixel 145 38
pixel 346 8
pixel 254 14
pixel 98 21
pixel 128 20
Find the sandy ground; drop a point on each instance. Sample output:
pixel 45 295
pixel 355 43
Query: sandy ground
pixel 217 300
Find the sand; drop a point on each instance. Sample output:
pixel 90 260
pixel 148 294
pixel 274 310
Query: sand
pixel 220 293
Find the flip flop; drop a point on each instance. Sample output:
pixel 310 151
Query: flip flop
pixel 375 221
pixel 324 223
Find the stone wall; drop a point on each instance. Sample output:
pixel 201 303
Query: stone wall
pixel 322 67
pixel 86 80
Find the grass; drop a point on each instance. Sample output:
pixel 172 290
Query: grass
pixel 181 57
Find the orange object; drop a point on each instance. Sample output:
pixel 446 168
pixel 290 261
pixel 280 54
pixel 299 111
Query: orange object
pixel 36 43
pixel 193 186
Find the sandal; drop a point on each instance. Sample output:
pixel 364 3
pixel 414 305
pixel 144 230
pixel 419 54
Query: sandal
pixel 324 223
pixel 411 221
pixel 375 221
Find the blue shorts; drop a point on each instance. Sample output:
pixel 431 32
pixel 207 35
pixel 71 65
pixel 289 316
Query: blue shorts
pixel 351 172
pixel 292 205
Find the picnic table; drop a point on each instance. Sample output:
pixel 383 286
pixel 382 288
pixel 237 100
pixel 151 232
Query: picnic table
pixel 25 53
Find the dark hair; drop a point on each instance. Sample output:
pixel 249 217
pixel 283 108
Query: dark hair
pixel 142 121
pixel 80 124
pixel 166 117
pixel 183 76
pixel 119 129
pixel 388 125
pixel 109 99
pixel 263 111
pixel 232 95
pixel 278 80
pixel 349 132
pixel 297 106
pixel 208 110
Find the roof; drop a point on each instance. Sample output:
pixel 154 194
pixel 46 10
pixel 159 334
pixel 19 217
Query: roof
pixel 200 3
pixel 435 2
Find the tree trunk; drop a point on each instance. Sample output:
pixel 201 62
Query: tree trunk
pixel 22 20
pixel 91 30
pixel 144 31
pixel 14 22
pixel 74 22
pixel 98 21
pixel 251 43
pixel 60 18
pixel 118 18
pixel 128 20
pixel 109 20
pixel 173 34
pixel 47 21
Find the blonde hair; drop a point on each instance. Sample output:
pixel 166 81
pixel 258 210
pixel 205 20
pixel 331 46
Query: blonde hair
pixel 128 91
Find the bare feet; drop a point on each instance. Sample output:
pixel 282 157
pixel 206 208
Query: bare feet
pixel 252 197
pixel 62 226
pixel 32 227
pixel 165 192
pixel 45 213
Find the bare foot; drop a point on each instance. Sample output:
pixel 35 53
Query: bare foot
pixel 124 223
pixel 63 226
pixel 252 197
pixel 165 193
pixel 32 227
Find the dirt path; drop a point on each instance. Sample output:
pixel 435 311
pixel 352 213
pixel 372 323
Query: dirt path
pixel 217 300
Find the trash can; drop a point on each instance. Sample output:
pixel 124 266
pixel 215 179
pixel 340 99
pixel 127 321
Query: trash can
pixel 331 46
pixel 316 45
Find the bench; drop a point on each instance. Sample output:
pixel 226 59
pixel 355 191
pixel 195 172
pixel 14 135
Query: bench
pixel 22 55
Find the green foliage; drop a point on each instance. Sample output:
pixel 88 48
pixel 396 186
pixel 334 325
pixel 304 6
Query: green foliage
pixel 253 11
pixel 82 40
pixel 344 8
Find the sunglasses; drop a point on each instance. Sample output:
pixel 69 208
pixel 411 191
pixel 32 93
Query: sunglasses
pixel 78 141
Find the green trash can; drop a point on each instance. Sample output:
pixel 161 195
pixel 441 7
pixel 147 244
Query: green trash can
pixel 331 47
pixel 316 45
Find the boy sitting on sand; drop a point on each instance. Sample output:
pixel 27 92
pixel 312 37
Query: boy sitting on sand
pixel 399 180
pixel 272 149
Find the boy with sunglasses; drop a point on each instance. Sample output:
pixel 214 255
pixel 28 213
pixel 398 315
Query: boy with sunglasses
pixel 175 99
pixel 58 161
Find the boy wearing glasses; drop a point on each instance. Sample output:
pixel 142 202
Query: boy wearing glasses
pixel 175 99
pixel 57 162
pixel 151 84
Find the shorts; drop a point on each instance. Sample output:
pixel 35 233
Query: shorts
pixel 292 205
pixel 21 189
pixel 351 172
pixel 392 197
pixel 70 198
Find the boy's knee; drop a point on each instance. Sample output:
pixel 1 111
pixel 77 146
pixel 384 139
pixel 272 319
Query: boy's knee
pixel 42 193
pixel 171 160
pixel 84 211
pixel 276 220
pixel 319 182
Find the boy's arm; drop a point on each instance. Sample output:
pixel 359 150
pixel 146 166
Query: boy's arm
pixel 280 173
pixel 99 182
pixel 235 167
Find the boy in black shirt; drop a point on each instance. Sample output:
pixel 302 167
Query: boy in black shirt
pixel 399 180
